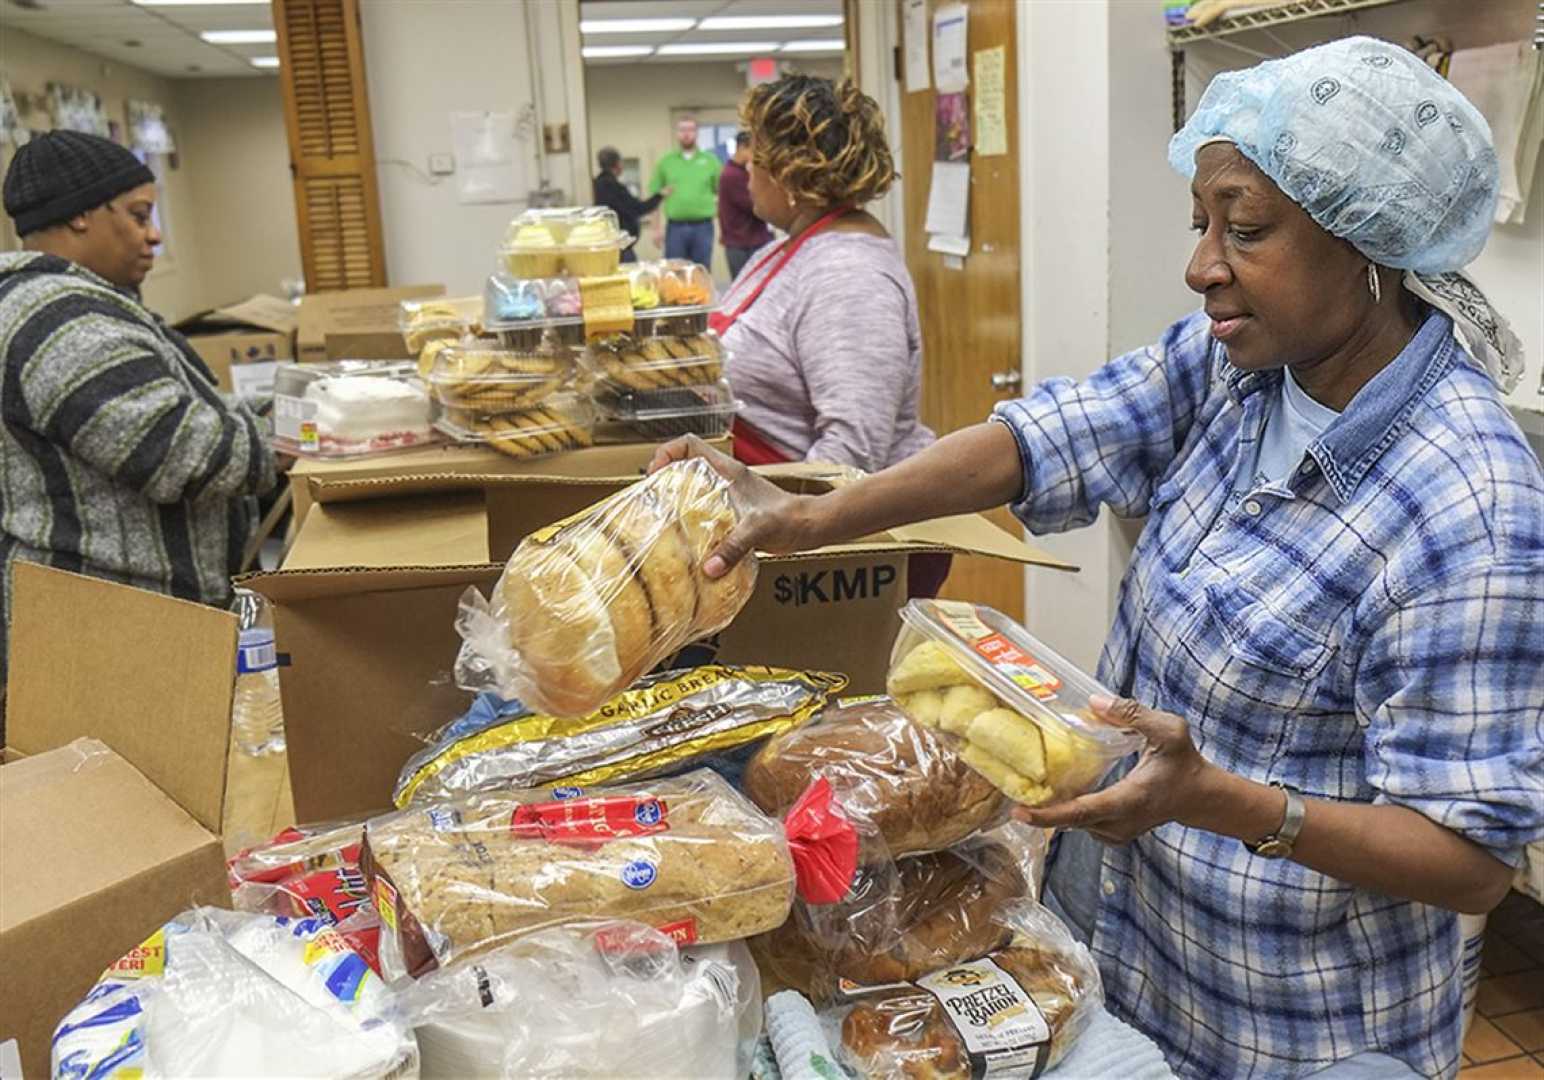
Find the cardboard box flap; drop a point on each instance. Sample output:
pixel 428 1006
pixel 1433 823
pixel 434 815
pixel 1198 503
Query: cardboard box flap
pixel 296 586
pixel 973 534
pixel 259 312
pixel 149 675
pixel 449 529
pixel 353 308
pixel 82 819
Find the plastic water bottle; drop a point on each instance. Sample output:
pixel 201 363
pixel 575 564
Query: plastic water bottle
pixel 257 717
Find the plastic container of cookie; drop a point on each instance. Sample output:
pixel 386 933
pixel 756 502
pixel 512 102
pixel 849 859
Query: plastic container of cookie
pixel 423 321
pixel 624 363
pixel 657 415
pixel 489 378
pixel 563 421
pixel 350 408
pixel 577 241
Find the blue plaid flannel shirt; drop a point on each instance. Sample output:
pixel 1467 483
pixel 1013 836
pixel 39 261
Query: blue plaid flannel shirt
pixel 1369 630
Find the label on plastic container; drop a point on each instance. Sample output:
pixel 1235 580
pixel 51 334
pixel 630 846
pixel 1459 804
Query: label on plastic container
pixel 295 419
pixel 996 649
pixel 1003 1030
pixel 590 821
pixel 256 652
pixel 607 305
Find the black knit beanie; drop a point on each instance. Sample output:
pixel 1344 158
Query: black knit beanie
pixel 59 174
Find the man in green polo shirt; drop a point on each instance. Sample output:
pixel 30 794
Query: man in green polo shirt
pixel 692 173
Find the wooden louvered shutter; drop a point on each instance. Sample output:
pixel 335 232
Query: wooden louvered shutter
pixel 332 150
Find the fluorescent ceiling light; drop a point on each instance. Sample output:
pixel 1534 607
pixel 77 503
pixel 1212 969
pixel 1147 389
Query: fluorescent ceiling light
pixel 264 61
pixel 768 22
pixel 607 52
pixel 635 26
pixel 708 48
pixel 816 45
pixel 240 37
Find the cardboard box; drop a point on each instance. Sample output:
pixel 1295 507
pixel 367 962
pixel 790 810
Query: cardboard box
pixel 355 324
pixel 621 459
pixel 111 794
pixel 366 606
pixel 243 343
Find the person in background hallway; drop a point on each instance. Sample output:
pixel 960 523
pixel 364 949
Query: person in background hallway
pixel 688 177
pixel 742 231
pixel 119 457
pixel 629 209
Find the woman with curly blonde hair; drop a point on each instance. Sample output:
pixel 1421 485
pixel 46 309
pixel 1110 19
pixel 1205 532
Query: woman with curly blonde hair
pixel 822 326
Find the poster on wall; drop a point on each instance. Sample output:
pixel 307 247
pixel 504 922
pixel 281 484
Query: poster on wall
pixel 949 30
pixel 951 128
pixel 991 123
pixel 917 77
pixel 74 109
pixel 490 157
pixel 148 132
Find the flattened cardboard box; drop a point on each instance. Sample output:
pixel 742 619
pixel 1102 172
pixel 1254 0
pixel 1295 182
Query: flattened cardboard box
pixel 243 343
pixel 355 324
pixel 616 460
pixel 111 794
pixel 366 606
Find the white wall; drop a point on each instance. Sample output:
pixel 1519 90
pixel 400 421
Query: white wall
pixel 1104 245
pixel 633 106
pixel 428 58
pixel 243 208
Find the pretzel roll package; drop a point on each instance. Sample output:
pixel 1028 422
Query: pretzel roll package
pixel 688 856
pixel 1021 710
pixel 587 605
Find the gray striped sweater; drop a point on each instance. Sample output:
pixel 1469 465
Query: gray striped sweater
pixel 118 456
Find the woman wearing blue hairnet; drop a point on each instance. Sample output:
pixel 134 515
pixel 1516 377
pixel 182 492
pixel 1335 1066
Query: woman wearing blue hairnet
pixel 1332 629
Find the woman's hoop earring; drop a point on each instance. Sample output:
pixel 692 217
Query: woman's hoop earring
pixel 1372 283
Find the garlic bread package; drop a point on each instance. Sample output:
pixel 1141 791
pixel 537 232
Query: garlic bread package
pixel 219 993
pixel 907 779
pixel 1021 709
pixel 689 856
pixel 664 723
pixel 901 922
pixel 588 605
pixel 1012 1013
pixel 617 999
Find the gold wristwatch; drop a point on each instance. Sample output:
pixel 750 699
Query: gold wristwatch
pixel 1278 845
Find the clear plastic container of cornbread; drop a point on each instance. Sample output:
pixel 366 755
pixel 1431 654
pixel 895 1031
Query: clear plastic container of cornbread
pixel 350 408
pixel 563 421
pixel 659 415
pixel 1021 709
pixel 574 241
pixel 623 363
pixel 486 377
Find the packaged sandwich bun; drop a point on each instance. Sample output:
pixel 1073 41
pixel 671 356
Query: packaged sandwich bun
pixel 907 779
pixel 1012 1013
pixel 587 605
pixel 689 856
pixel 1021 709
pixel 930 911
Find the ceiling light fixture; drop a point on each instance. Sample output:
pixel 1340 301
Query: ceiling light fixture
pixel 635 26
pixel 264 61
pixel 611 52
pixel 710 48
pixel 768 22
pixel 816 45
pixel 240 37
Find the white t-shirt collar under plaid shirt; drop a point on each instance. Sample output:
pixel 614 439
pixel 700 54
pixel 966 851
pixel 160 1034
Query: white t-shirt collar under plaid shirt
pixel 1364 628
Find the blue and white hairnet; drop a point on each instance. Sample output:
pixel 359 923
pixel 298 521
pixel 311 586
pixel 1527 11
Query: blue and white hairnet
pixel 1382 152
pixel 1377 147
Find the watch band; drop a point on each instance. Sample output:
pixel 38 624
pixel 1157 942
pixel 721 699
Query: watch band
pixel 1279 844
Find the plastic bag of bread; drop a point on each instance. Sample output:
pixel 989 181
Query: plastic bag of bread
pixel 930 911
pixel 689 855
pixel 665 722
pixel 587 605
pixel 615 1000
pixel 1021 709
pixel 1012 1013
pixel 219 993
pixel 908 780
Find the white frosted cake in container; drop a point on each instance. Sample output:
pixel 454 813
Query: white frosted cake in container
pixel 350 408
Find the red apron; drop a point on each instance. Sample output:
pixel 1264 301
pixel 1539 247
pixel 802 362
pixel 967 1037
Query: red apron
pixel 925 573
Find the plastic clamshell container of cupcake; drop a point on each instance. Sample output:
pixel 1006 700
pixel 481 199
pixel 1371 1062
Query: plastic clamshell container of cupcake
pixel 577 241
pixel 532 313
pixel 350 408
